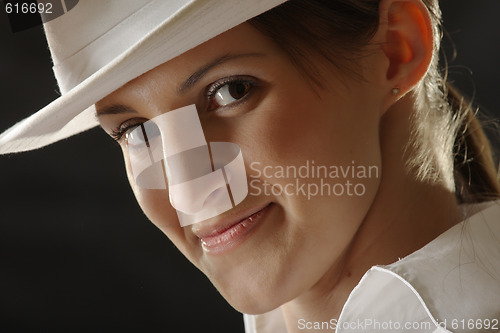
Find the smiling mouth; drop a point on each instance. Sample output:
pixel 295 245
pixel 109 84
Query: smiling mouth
pixel 219 240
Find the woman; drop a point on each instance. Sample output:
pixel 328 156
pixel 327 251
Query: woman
pixel 363 93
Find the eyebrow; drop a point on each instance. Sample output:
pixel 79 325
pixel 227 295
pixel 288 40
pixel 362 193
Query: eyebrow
pixel 196 76
pixel 185 86
pixel 115 109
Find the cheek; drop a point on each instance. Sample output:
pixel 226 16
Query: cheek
pixel 156 206
pixel 300 128
pixel 296 125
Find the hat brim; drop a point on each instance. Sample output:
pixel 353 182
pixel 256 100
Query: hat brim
pixel 74 111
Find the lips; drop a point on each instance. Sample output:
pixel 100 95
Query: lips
pixel 226 233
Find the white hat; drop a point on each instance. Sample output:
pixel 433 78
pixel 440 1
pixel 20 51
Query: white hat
pixel 98 46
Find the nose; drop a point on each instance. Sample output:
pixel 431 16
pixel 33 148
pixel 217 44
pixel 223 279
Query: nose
pixel 194 186
pixel 218 184
pixel 203 196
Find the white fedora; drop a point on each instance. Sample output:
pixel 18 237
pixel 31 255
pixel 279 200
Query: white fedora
pixel 98 46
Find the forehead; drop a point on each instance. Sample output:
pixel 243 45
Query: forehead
pixel 243 39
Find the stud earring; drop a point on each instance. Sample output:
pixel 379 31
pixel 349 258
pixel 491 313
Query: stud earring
pixel 395 91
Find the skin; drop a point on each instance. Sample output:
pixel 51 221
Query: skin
pixel 305 255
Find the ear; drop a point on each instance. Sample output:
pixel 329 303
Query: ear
pixel 406 35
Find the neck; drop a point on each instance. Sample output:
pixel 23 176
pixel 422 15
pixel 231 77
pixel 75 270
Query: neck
pixel 405 215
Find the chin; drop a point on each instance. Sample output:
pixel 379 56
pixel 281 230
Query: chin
pixel 251 304
pixel 253 295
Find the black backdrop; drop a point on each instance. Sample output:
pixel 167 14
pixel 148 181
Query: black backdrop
pixel 77 254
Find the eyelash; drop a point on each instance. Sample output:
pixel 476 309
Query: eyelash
pixel 118 133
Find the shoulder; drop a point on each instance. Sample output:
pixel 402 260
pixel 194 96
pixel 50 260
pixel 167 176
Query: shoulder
pixel 451 282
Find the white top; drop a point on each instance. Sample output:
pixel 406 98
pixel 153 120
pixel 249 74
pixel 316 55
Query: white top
pixel 450 285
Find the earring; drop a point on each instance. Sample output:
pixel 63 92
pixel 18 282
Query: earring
pixel 395 91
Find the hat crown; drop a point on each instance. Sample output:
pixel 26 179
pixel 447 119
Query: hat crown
pixel 95 32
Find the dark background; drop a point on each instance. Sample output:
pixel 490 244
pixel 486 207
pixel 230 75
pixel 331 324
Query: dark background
pixel 76 252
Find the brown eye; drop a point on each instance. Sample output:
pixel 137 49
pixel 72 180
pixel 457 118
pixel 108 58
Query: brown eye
pixel 231 92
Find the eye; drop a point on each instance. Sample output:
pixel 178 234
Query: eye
pixel 132 131
pixel 228 91
pixel 231 92
pixel 142 135
pixel 134 137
